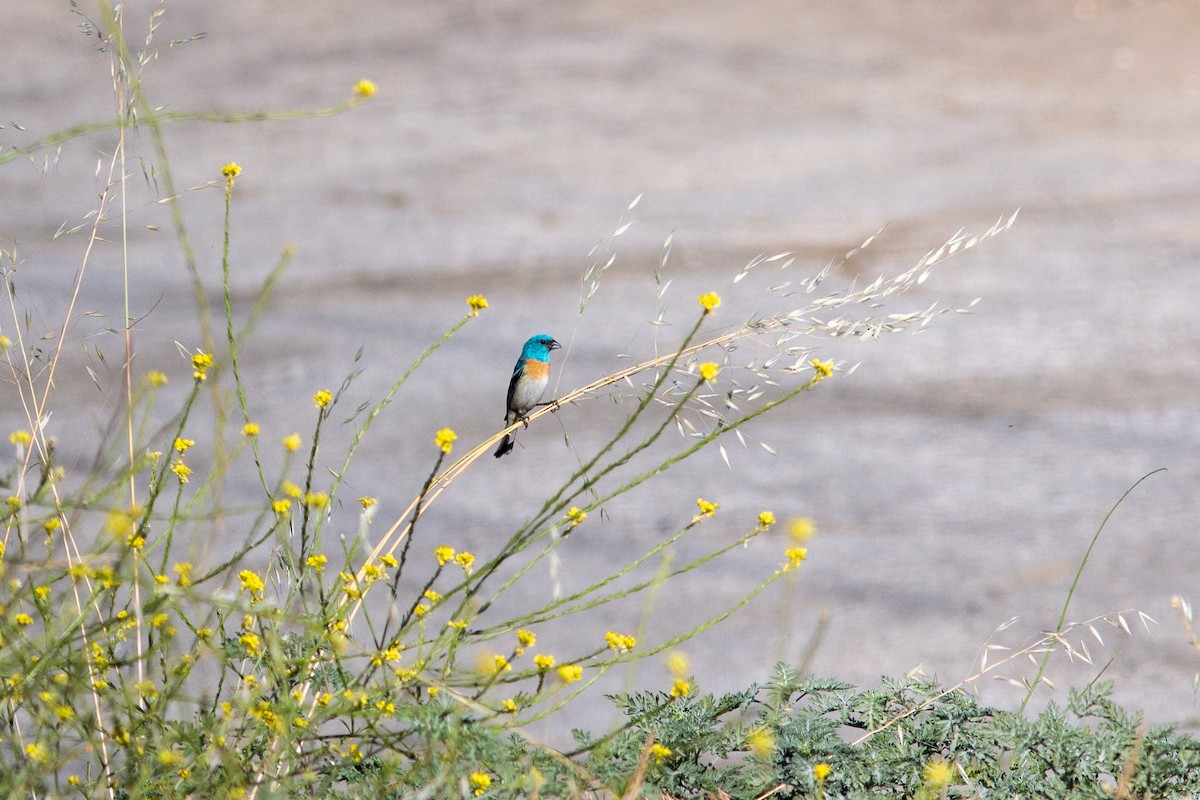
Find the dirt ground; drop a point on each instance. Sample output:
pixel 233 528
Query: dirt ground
pixel 956 477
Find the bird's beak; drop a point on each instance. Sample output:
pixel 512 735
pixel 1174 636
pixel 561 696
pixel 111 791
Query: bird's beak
pixel 554 345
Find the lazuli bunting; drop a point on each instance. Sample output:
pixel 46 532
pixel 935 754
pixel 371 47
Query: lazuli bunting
pixel 530 377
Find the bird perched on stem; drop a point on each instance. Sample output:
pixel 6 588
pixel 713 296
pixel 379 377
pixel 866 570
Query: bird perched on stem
pixel 530 377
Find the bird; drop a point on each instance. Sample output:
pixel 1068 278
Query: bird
pixel 530 377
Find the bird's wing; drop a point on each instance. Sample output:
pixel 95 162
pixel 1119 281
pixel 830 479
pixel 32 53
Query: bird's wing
pixel 518 371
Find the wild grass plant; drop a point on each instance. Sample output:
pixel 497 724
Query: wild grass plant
pixel 328 654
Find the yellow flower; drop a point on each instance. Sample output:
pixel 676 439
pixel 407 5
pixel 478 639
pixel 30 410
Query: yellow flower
pixel 13 502
pixel 22 619
pixel 156 379
pixel 367 502
pixel 291 490
pixel 161 580
pixel 317 562
pixel 821 771
pixel 122 523
pixel 570 673
pixel 432 596
pixel 761 742
pixel 576 516
pixel 823 369
pixel 709 371
pixel 4 342
pixel 252 583
pixel 466 561
pixel 231 171
pixel 938 772
pixel 681 688
pixel 678 663
pixel 445 439
pixel 184 570
pixel 795 557
pixel 389 560
pixel 252 643
pixel 526 638
pixel 658 752
pixel 292 443
pixel 620 642
pixel 477 302
pixel 444 554
pixel 457 624
pixel 480 781
pixel 36 751
pixel 766 519
pixel 316 499
pixel 707 509
pixel 200 364
pixel 322 399
pixel 365 88
pixel 543 661
pixel 181 470
pixel 20 438
pixel 281 506
pixel 182 445
pixel 802 528
pixel 51 525
pixel 709 302
pixel 494 665
pixel 509 706
pixel 250 430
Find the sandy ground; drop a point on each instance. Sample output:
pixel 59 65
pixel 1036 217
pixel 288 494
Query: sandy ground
pixel 956 478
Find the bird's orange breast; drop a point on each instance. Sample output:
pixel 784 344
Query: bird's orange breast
pixel 537 369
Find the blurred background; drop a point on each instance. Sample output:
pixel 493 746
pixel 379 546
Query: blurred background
pixel 956 477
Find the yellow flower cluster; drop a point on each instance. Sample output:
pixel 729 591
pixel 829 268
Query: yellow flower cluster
pixel 230 171
pixel 576 516
pixel 823 369
pixel 709 371
pixel 543 661
pixel 365 88
pixel 707 509
pixel 795 557
pixel 709 302
pixel 480 781
pixel 322 398
pixel 570 673
pixel 252 583
pixel 766 519
pixel 802 528
pixel 620 642
pixel 250 430
pixel 200 364
pixel 477 302
pixel 181 470
pixel 445 440
pixel 291 443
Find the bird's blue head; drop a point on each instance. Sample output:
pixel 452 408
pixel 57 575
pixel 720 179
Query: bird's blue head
pixel 538 347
